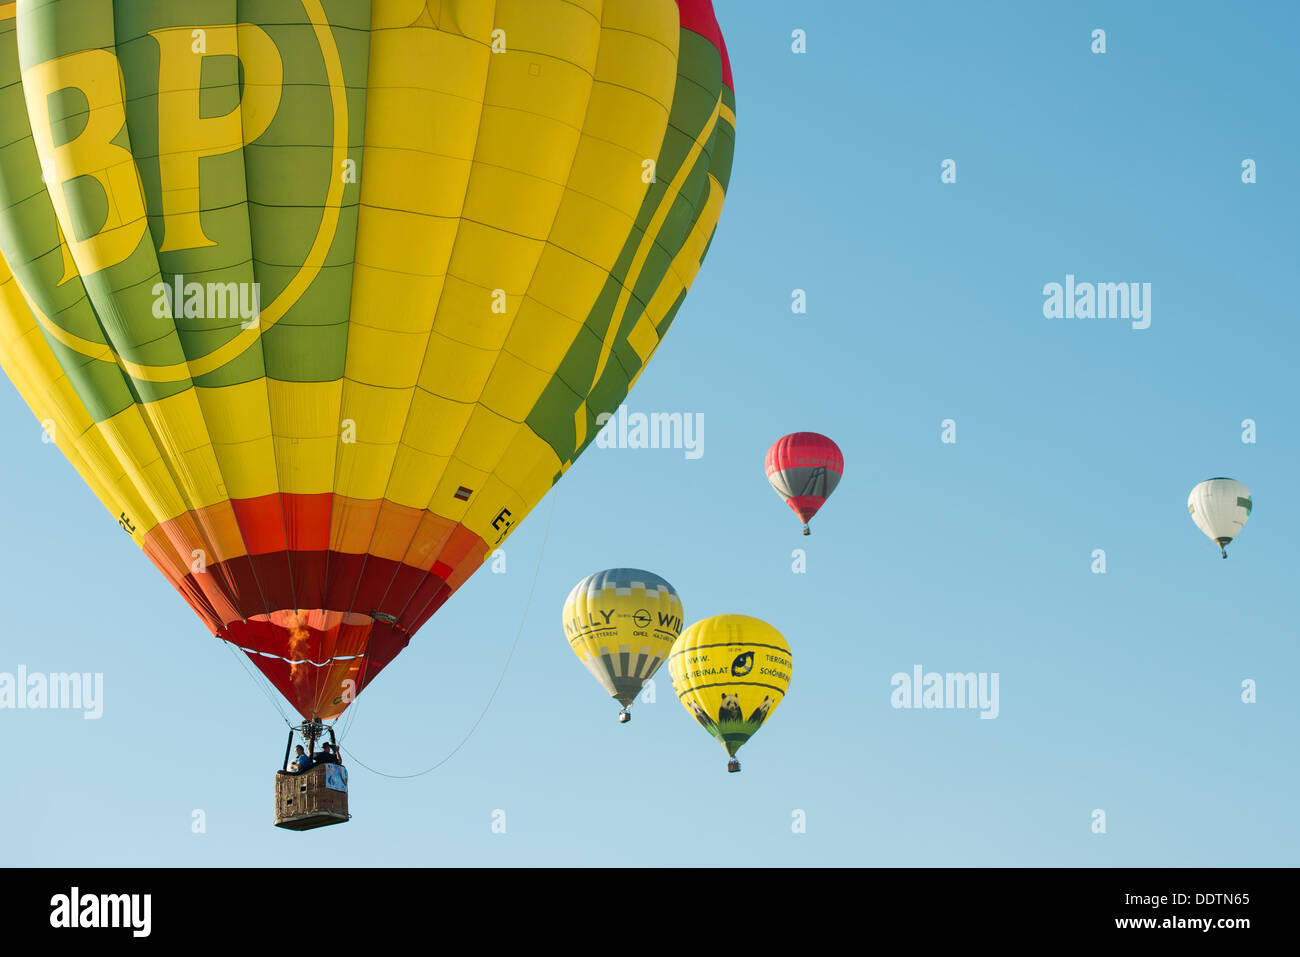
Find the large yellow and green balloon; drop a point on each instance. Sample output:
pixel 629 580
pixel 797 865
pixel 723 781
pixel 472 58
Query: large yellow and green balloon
pixel 320 297
pixel 621 623
pixel 731 672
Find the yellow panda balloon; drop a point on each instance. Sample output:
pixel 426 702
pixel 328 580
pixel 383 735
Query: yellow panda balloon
pixel 621 624
pixel 730 672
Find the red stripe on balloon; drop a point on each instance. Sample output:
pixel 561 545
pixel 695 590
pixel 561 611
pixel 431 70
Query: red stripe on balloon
pixel 292 597
pixel 806 506
pixel 698 17
pixel 241 588
pixel 804 450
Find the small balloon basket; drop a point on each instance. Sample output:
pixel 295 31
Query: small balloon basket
pixel 317 797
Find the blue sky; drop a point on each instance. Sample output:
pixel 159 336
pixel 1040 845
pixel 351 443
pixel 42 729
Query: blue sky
pixel 1119 692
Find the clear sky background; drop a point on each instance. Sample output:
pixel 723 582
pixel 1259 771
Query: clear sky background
pixel 1119 692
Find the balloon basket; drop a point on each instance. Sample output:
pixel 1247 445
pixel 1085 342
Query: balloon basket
pixel 624 717
pixel 311 799
pixel 733 766
pixel 806 530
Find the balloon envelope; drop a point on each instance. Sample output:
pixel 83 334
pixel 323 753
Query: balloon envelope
pixel 1220 508
pixel 804 469
pixel 730 672
pixel 621 623
pixel 320 298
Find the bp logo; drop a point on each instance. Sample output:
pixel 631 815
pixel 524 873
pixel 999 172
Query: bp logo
pixel 743 665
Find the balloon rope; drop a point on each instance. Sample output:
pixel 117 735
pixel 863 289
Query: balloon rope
pixel 492 697
pixel 346 724
pixel 243 660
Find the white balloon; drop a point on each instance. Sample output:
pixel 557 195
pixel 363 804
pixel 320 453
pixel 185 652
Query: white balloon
pixel 1220 507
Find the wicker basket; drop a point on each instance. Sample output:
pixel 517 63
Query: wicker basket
pixel 304 801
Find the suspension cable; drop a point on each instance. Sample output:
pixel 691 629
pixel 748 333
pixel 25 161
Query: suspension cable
pixel 492 697
pixel 263 684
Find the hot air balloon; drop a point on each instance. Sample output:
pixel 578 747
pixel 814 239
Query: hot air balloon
pixel 804 468
pixel 621 623
pixel 321 298
pixel 730 672
pixel 1220 507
